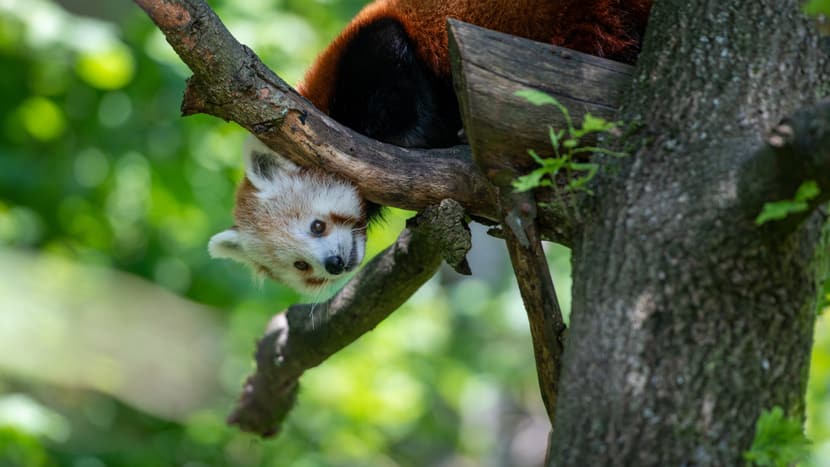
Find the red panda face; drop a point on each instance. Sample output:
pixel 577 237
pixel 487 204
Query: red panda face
pixel 302 228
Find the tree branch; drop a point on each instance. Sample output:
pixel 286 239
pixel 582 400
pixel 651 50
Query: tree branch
pixel 501 126
pixel 230 82
pixel 500 133
pixel 306 335
pixel 544 314
pixel 795 151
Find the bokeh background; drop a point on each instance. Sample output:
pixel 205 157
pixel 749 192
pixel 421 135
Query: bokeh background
pixel 123 344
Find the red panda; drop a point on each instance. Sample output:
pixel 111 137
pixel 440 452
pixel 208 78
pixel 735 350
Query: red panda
pixel 387 76
pixel 305 229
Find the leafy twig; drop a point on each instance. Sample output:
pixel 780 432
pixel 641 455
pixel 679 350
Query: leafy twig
pixel 566 145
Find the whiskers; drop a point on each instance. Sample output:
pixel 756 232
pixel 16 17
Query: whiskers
pixel 258 277
pixel 318 296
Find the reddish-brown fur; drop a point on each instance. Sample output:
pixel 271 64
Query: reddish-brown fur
pixel 606 28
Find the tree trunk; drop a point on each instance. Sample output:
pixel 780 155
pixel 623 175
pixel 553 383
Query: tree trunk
pixel 688 319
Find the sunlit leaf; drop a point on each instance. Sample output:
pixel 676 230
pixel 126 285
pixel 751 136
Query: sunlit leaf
pixel 780 209
pixel 591 124
pixel 530 181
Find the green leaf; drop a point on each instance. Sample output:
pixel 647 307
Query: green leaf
pixel 589 167
pixel 591 124
pixel 536 157
pixel 596 124
pixel 781 209
pixel 537 97
pixel 565 149
pixel 580 182
pixel 540 98
pixel 807 191
pixel 554 164
pixel 779 441
pixel 555 138
pixel 530 181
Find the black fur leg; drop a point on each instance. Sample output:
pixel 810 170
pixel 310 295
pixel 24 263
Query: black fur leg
pixel 386 92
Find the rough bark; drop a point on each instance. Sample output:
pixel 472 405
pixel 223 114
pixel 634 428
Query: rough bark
pixel 547 327
pixel 687 318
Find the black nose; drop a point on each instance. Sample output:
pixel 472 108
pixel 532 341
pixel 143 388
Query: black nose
pixel 335 264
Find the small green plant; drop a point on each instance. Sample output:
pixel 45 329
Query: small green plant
pixel 566 146
pixel 808 191
pixel 779 441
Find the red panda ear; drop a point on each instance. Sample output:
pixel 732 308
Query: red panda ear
pixel 228 245
pixel 262 165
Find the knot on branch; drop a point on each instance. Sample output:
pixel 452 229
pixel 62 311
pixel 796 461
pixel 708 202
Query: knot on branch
pixel 446 223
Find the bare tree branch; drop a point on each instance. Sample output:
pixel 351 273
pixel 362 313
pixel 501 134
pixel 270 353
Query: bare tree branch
pixel 530 265
pixel 500 133
pixel 306 335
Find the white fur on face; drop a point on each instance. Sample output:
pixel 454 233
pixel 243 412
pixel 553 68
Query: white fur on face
pixel 274 217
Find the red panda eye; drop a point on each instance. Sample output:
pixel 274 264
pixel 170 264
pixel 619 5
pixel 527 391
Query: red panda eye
pixel 301 265
pixel 318 227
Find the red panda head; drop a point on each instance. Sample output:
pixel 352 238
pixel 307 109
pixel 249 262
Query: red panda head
pixel 303 228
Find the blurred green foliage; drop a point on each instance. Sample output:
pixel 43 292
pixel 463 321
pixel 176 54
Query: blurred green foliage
pixel 102 182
